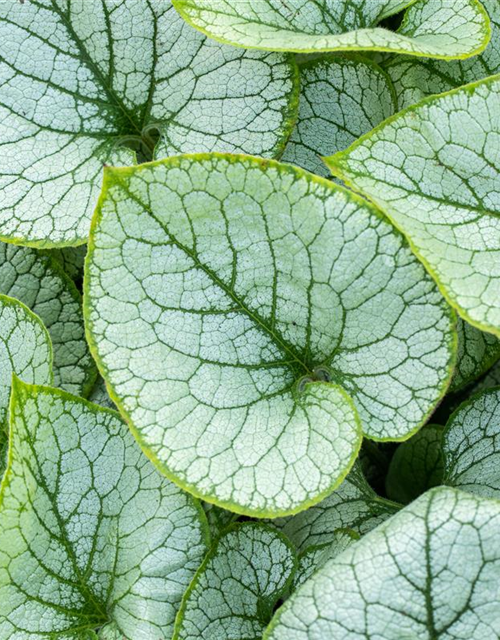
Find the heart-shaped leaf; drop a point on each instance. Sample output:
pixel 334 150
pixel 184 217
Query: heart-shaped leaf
pixel 36 279
pixel 432 571
pixel 416 78
pixel 233 594
pixel 471 446
pixel 227 298
pixel 434 169
pixel 354 506
pixel 341 99
pixel 89 531
pixel 78 81
pixel 440 29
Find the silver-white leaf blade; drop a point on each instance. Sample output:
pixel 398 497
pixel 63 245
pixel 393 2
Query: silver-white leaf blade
pixel 432 571
pixel 434 169
pixel 440 29
pixel 90 533
pixel 37 280
pixel 80 82
pixel 281 281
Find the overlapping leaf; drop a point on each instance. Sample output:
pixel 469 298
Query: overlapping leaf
pixel 341 99
pixel 434 169
pixel 226 297
pixel 78 81
pixel 233 594
pixel 38 281
pixel 90 533
pixel 432 571
pixel 416 78
pixel 440 29
pixel 477 352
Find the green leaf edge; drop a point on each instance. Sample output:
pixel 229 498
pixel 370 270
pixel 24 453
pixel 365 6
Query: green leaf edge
pixel 179 7
pixel 212 552
pixel 110 180
pixel 335 162
pixel 20 388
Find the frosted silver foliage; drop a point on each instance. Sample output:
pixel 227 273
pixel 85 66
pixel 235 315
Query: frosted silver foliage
pixel 232 302
pixel 90 533
pixel 81 80
pixel 39 282
pixel 26 351
pixel 354 505
pixel 471 446
pixel 431 572
pixel 477 352
pixel 233 594
pixel 434 169
pixel 439 28
pixel 341 99
pixel 416 78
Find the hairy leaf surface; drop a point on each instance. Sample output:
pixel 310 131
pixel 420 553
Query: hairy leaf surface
pixel 79 81
pixel 416 78
pixel 233 594
pixel 440 29
pixel 37 280
pixel 89 531
pixel 434 169
pixel 430 572
pixel 341 99
pixel 227 298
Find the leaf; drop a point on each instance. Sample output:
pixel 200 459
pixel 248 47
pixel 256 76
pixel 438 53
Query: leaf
pixel 439 29
pixel 417 465
pixel 39 282
pixel 72 260
pixel 433 169
pixel 281 282
pixel 431 571
pixel 341 99
pixel 99 395
pixel 25 350
pixel 490 380
pixel 415 78
pixel 477 352
pixel 354 505
pixel 313 558
pixel 233 594
pixel 218 519
pixel 471 446
pixel 81 80
pixel 90 533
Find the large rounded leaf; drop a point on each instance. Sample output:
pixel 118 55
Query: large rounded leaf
pixel 440 29
pixel 431 572
pixel 90 533
pixel 78 80
pixel 227 298
pixel 435 169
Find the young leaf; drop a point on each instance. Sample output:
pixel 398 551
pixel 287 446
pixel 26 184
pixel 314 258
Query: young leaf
pixel 233 594
pixel 354 505
pixel 313 558
pixel 416 78
pixel 432 571
pixel 440 29
pixel 225 296
pixel 417 465
pixel 81 80
pixel 37 280
pixel 471 446
pixel 434 169
pixel 90 533
pixel 477 352
pixel 25 350
pixel 341 99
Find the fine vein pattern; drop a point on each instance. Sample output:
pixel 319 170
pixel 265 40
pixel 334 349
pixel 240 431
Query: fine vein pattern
pixel 89 531
pixel 81 81
pixel 237 294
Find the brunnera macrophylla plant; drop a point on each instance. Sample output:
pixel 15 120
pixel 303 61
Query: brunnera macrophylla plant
pixel 249 319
